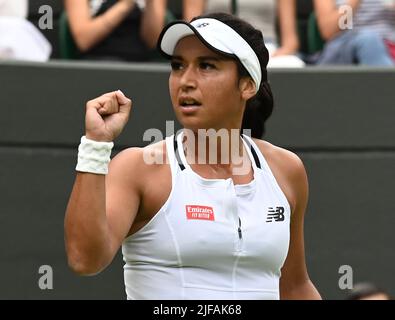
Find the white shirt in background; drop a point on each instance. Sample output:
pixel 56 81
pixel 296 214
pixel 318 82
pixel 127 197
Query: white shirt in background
pixel 14 8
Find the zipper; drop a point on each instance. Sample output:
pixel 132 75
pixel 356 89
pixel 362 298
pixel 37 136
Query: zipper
pixel 239 230
pixel 237 224
pixel 240 237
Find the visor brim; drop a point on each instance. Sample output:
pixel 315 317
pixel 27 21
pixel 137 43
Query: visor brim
pixel 177 30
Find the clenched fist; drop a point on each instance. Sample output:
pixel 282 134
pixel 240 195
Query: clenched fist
pixel 106 116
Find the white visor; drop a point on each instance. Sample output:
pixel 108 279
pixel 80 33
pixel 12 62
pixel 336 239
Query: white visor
pixel 217 36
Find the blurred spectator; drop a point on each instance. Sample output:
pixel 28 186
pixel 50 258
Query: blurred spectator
pixel 120 29
pixel 20 39
pixel 367 291
pixel 263 16
pixel 370 39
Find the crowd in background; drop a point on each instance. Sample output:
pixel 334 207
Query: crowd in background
pixel 296 32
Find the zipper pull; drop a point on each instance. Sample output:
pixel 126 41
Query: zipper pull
pixel 239 229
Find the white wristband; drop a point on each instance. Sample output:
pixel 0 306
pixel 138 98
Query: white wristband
pixel 94 156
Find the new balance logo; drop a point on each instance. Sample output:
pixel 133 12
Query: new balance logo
pixel 276 214
pixel 202 25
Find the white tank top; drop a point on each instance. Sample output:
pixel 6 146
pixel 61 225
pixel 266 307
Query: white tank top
pixel 211 239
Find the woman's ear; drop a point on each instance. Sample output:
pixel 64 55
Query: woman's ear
pixel 247 88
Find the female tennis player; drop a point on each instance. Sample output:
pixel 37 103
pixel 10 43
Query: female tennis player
pixel 191 227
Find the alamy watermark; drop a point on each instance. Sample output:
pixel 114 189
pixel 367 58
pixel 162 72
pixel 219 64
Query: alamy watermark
pixel 204 146
pixel 346 281
pixel 346 21
pixel 45 282
pixel 46 20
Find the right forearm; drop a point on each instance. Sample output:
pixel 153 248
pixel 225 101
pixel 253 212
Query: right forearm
pixel 87 238
pixel 91 239
pixel 328 16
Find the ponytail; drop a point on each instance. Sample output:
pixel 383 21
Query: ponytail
pixel 258 110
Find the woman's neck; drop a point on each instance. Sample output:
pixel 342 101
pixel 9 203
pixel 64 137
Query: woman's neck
pixel 222 149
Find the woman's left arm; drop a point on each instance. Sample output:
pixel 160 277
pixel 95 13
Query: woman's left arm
pixel 153 21
pixel 295 282
pixel 193 8
pixel 286 11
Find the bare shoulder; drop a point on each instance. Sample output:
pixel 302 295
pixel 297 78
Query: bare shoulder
pixel 288 170
pixel 145 173
pixel 140 162
pixel 291 162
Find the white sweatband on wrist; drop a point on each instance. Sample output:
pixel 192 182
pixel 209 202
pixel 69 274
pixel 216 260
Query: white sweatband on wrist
pixel 94 156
